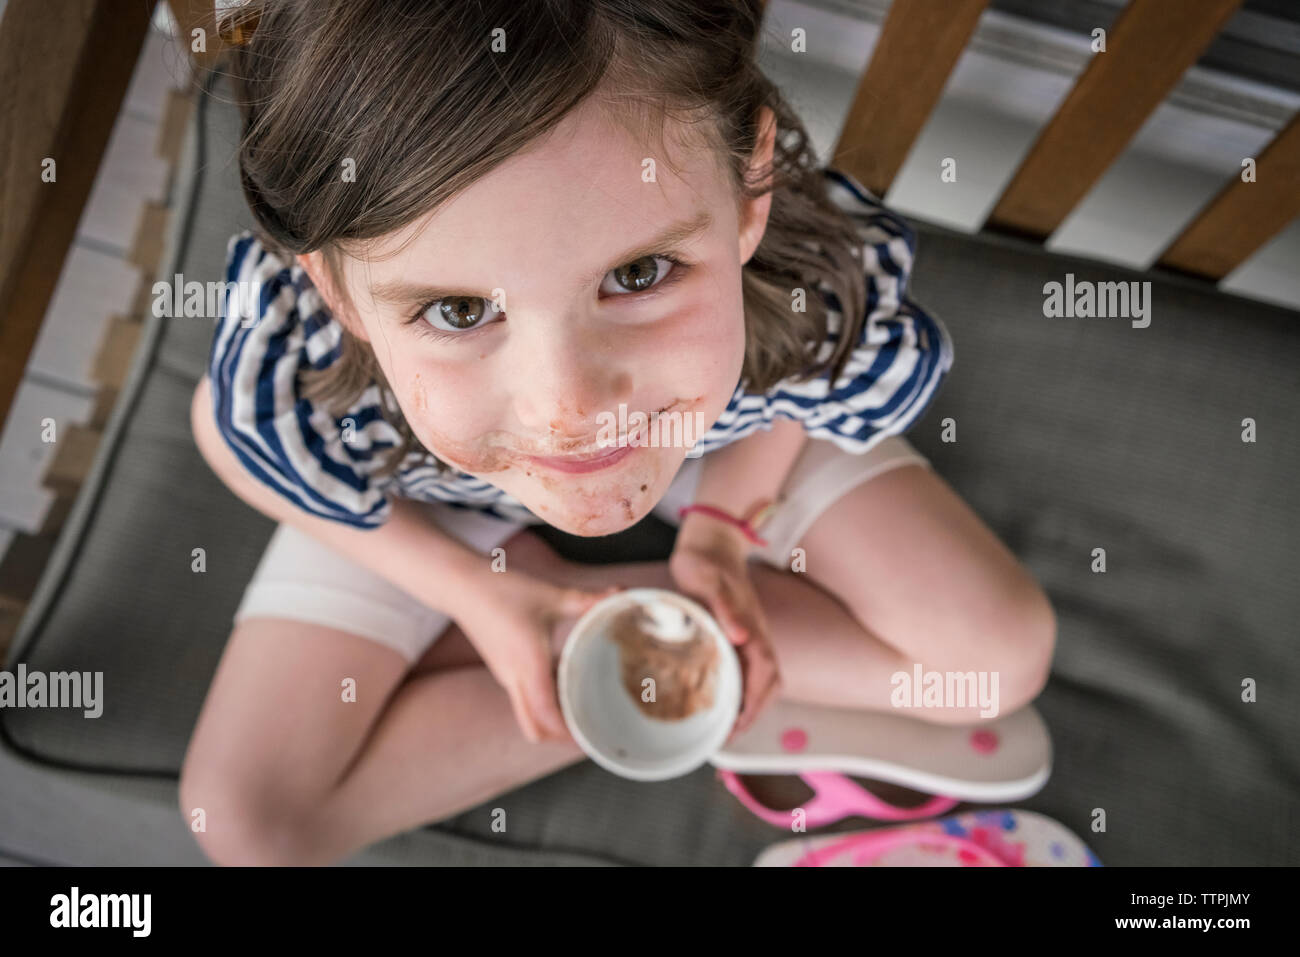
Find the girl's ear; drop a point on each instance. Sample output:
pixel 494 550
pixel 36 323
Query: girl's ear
pixel 754 212
pixel 313 264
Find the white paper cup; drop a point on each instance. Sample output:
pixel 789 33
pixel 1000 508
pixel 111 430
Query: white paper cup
pixel 608 723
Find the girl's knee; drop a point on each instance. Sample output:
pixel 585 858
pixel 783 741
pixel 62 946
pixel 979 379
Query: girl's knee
pixel 1009 649
pixel 1025 649
pixel 240 821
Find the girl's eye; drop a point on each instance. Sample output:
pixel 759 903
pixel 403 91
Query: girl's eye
pixel 458 313
pixel 640 274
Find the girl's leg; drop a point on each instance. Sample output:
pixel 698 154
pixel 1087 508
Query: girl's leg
pixel 447 742
pixel 284 770
pixel 931 584
pixel 275 733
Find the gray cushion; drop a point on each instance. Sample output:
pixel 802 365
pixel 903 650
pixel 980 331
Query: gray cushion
pixel 1072 434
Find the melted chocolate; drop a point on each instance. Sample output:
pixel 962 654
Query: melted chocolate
pixel 683 671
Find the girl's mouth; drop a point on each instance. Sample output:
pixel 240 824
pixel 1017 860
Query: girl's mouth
pixel 593 462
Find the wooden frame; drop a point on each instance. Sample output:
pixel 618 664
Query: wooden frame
pixel 1245 214
pixel 1148 49
pixel 919 45
pixel 65 66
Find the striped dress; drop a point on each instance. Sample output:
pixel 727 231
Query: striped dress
pixel 325 463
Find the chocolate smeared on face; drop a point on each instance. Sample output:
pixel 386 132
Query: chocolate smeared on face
pixel 599 502
pixel 499 450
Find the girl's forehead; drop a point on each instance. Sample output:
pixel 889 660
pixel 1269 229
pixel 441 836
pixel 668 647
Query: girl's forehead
pixel 564 202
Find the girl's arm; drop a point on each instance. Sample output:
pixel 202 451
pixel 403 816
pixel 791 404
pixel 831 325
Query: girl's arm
pixel 408 549
pixel 709 559
pixel 740 476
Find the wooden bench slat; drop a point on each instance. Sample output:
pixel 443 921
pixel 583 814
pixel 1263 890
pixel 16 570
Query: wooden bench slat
pixel 1148 48
pixel 72 59
pixel 917 49
pixel 1244 216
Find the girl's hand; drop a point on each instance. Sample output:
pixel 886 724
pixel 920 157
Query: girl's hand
pixel 709 564
pixel 518 627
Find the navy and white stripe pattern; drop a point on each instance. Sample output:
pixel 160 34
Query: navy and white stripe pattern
pixel 297 449
pixel 262 343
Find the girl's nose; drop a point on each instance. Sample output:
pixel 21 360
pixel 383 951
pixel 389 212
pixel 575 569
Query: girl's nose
pixel 561 386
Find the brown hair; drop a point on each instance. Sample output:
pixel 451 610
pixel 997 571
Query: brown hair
pixel 413 93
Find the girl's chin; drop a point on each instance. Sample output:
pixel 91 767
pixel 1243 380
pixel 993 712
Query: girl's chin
pixel 582 519
pixel 590 509
pixel 589 526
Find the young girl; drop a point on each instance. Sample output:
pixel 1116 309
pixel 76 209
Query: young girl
pixel 482 236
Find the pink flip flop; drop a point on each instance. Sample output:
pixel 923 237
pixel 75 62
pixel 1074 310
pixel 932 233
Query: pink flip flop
pixel 835 797
pixel 999 761
pixel 986 838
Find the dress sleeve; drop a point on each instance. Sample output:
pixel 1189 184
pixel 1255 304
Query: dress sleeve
pixel 273 327
pixel 902 355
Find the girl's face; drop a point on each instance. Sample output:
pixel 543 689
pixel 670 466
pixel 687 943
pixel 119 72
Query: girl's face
pixel 521 315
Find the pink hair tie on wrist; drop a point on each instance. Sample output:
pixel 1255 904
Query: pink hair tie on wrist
pixel 746 525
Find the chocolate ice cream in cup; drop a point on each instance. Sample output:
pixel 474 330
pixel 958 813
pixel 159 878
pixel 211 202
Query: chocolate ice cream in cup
pixel 649 685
